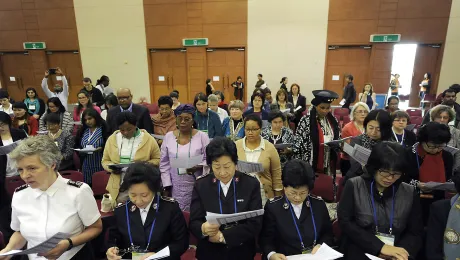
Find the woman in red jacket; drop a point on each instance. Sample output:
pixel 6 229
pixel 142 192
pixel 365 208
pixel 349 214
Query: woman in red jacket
pixel 22 120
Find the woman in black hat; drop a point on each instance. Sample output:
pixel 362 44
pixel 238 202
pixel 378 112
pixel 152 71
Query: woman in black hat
pixel 315 129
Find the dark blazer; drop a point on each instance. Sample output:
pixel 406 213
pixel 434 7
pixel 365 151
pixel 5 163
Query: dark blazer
pixel 143 118
pixel 240 239
pixel 96 96
pixel 301 101
pixel 16 134
pixel 170 228
pixel 279 233
pixel 42 107
pixel 409 138
pixel 439 214
pixel 251 111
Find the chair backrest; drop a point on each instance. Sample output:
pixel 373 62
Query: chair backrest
pixel 100 180
pixel 341 112
pixel 72 175
pixel 340 181
pixel 153 109
pixel 11 183
pixel 324 187
pixel 414 112
pixel 429 98
pixel 192 239
pixel 346 120
pixel 416 120
pixel 403 98
pixel 76 161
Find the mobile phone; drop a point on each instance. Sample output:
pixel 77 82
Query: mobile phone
pixel 52 71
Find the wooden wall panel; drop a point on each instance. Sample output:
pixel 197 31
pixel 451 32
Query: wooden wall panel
pixel 350 32
pixel 226 35
pixel 171 36
pixel 353 9
pixel 63 18
pixel 220 12
pixel 434 30
pixel 166 14
pixel 9 40
pixel 423 8
pixel 11 20
pixel 10 5
pixel 53 4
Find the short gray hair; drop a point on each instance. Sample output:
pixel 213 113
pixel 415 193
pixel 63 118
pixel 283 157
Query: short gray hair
pixel 439 109
pixel 213 98
pixel 355 106
pixel 40 145
pixel 236 104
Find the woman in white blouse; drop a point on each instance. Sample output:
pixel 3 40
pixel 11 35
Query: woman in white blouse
pixel 48 204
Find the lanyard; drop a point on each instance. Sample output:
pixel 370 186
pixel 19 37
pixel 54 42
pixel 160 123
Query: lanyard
pixel 396 137
pixel 189 147
pixel 91 136
pixel 234 195
pixel 207 122
pixel 132 147
pixel 294 219
pixel 151 229
pixel 416 157
pixel 455 200
pixel 375 210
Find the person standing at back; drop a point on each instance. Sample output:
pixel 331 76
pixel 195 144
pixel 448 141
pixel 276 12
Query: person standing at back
pixel 260 81
pixel 103 85
pixel 60 92
pixel 96 94
pixel 209 87
pixel 125 103
pixel 349 92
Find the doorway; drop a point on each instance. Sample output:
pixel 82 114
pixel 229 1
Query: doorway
pixel 403 65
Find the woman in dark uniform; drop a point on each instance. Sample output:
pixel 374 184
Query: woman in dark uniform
pixel 225 191
pixel 298 222
pixel 148 222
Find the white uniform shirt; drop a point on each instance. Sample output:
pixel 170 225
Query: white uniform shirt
pixel 39 215
pixel 145 211
pixel 225 187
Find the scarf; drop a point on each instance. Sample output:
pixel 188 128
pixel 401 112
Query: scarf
pixel 367 142
pixel 164 125
pixel 452 231
pixel 432 167
pixel 234 131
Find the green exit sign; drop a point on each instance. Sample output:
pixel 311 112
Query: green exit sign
pixel 385 38
pixel 195 42
pixel 34 45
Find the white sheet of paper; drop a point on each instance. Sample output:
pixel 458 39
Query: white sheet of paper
pixel 163 253
pixel 58 77
pixel 451 149
pixel 8 148
pixel 373 257
pixel 264 86
pixel 77 122
pixel 297 108
pixel 249 167
pixel 287 110
pixel 338 141
pixel 42 132
pixel 448 186
pixel 215 78
pixel 42 247
pixel 348 149
pixel 12 78
pixel 86 149
pixel 282 146
pixel 342 102
pixel 325 252
pixel 161 78
pixel 335 77
pixel 185 162
pixel 160 137
pixel 222 219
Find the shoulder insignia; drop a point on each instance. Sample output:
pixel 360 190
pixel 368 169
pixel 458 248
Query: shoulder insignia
pixel 75 183
pixel 275 199
pixel 168 199
pixel 315 197
pixel 120 205
pixel 22 187
pixel 202 176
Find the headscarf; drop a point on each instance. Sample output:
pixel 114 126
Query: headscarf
pixel 184 108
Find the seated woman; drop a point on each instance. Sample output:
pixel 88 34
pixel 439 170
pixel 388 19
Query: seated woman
pixel 429 162
pixel 444 227
pixel 175 97
pixel 93 134
pixel 354 128
pixel 63 139
pixel 8 135
pixel 207 121
pixel 225 191
pixel 165 121
pixel 55 107
pixel 110 101
pixel 147 222
pixel 315 129
pixel 298 222
pixel 127 145
pixel 392 104
pixel 23 121
pixel 233 126
pixel 277 133
pixel 379 214
pixel 257 101
pixel 35 105
pixel 401 135
pixel 84 102
pixel 185 142
pixel 282 104
pixel 298 100
pixel 253 148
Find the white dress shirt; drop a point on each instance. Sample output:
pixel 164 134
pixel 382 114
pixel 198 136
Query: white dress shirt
pixel 145 211
pixel 8 110
pixel 225 187
pixel 253 155
pixel 222 114
pixel 39 215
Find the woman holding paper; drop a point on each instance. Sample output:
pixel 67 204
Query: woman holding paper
pixel 233 126
pixel 147 222
pixel 92 135
pixel 225 191
pixel 127 145
pixel 283 105
pixel 49 204
pixel 165 121
pixel 277 134
pixel 56 107
pixel 8 135
pixel 253 148
pixel 378 213
pixel 298 100
pixel 180 147
pixel 64 140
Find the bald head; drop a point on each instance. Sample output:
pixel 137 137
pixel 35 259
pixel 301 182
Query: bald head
pixel 124 97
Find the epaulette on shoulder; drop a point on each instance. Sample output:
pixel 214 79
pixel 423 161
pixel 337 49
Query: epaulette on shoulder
pixel 315 197
pixel 22 187
pixel 202 176
pixel 75 183
pixel 168 199
pixel 275 199
pixel 121 205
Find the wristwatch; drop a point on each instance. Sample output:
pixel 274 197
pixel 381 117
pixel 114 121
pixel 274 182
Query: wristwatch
pixel 70 244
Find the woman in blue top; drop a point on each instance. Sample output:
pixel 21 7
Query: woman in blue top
pixel 206 120
pixel 368 96
pixel 93 134
pixel 35 105
pixel 233 126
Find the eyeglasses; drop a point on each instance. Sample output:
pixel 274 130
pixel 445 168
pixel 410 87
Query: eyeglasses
pixel 252 130
pixel 442 146
pixel 402 120
pixel 165 109
pixel 185 119
pixel 386 174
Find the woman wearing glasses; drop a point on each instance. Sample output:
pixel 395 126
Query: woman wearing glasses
pixel 182 144
pixel 379 214
pixel 225 191
pixel 147 222
pixel 277 133
pixel 401 135
pixel 298 222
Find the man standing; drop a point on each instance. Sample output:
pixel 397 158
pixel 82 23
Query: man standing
pixel 125 103
pixel 449 96
pixel 61 92
pixel 349 92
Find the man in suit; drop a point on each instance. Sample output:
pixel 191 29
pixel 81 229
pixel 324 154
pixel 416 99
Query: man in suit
pixel 125 103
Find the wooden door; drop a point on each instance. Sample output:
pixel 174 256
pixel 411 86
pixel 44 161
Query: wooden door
pixel 346 60
pixel 426 60
pixel 169 72
pixel 70 64
pixel 17 74
pixel 226 65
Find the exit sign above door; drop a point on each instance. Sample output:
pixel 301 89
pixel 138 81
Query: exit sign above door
pixel 385 38
pixel 34 45
pixel 195 42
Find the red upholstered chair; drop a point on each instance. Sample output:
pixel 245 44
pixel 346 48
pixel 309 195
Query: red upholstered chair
pixel 153 109
pixel 72 175
pixel 190 253
pixel 346 120
pixel 429 99
pixel 414 112
pixel 100 180
pixel 416 120
pixel 11 183
pixel 341 112
pixel 76 161
pixel 324 187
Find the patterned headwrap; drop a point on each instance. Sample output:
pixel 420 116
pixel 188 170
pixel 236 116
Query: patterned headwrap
pixel 184 108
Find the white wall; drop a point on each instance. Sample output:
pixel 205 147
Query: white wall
pixel 450 61
pixel 112 42
pixel 287 38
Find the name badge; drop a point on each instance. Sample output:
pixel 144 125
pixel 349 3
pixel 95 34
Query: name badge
pixel 56 143
pixel 328 138
pixel 181 171
pixel 386 238
pixel 125 159
pixel 137 256
pixel 89 146
pixel 31 107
